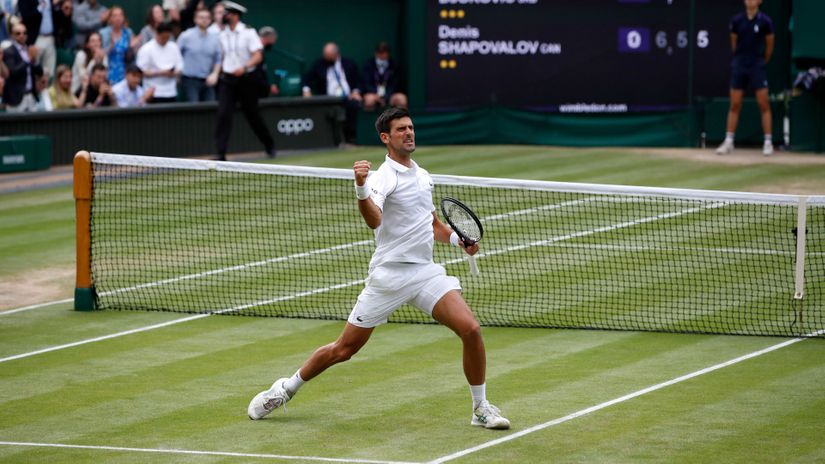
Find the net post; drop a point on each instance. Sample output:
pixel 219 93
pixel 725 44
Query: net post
pixel 801 224
pixel 84 292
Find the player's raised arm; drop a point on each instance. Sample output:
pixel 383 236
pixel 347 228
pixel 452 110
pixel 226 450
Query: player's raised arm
pixel 368 209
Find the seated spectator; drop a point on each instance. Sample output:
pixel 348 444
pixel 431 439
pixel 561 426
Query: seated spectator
pixel 153 18
pixel 41 91
pixel 19 92
pixel 88 17
pixel 91 54
pixel 96 90
pixel 129 92
pixel 63 31
pixel 268 37
pixel 218 11
pixel 337 76
pixel 60 93
pixel 161 63
pixel 201 53
pixel 119 42
pixel 382 80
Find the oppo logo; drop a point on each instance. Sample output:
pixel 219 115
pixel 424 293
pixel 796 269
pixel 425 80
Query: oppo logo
pixel 295 126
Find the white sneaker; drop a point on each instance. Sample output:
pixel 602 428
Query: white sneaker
pixel 488 416
pixel 767 149
pixel 267 401
pixel 725 148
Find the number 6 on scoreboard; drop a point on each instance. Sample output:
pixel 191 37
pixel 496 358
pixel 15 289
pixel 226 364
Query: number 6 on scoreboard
pixel 465 224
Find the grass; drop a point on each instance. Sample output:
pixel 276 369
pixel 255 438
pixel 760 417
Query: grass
pixel 402 398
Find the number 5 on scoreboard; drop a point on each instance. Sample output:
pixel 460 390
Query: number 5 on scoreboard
pixel 465 224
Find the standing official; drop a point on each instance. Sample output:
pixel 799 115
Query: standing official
pixel 241 54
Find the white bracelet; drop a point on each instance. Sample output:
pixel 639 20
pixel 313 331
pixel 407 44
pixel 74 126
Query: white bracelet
pixel 362 192
pixel 454 239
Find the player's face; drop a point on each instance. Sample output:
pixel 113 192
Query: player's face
pixel 401 138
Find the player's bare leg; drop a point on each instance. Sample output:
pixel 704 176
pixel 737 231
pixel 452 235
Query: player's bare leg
pixel 767 121
pixel 733 121
pixel 453 312
pixel 351 340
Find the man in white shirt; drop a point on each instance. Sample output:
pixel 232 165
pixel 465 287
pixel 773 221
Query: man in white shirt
pixel 161 62
pixel 241 54
pixel 396 201
pixel 129 93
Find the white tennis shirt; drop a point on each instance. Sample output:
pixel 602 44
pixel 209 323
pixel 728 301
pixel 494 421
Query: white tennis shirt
pixel 405 197
pixel 237 46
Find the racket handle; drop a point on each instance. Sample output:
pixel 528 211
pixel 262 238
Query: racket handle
pixel 473 265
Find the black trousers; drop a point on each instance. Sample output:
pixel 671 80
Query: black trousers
pixel 231 92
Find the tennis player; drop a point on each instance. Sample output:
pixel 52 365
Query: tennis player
pixel 752 39
pixel 396 201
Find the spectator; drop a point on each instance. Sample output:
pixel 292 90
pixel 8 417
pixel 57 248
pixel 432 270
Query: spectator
pixel 6 13
pixel 19 91
pixel 161 63
pixel 4 74
pixel 218 11
pixel 60 93
pixel 41 92
pixel 201 59
pixel 119 42
pixel 96 90
pixel 336 76
pixel 88 17
pixel 91 54
pixel 129 92
pixel 37 16
pixel 241 49
pixel 269 36
pixel 382 80
pixel 153 18
pixel 63 31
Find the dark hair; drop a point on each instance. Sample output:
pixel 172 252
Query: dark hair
pixel 133 69
pixel 382 47
pixel 382 124
pixel 98 67
pixel 86 48
pixel 165 26
pixel 150 17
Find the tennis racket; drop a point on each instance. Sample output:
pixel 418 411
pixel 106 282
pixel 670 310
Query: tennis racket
pixel 465 224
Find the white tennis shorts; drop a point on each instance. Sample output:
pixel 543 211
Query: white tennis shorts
pixel 391 285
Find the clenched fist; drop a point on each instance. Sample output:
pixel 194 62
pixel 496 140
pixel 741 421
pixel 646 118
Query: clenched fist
pixel 362 170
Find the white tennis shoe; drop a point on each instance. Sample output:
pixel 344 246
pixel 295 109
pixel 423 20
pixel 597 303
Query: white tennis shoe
pixel 767 149
pixel 725 148
pixel 269 400
pixel 488 416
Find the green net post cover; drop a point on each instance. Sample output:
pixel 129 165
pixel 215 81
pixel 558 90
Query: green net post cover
pixel 84 299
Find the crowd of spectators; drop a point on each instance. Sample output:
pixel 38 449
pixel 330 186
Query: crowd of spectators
pixel 175 56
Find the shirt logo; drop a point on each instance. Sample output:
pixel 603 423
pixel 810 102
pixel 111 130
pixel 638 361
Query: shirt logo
pixel 756 28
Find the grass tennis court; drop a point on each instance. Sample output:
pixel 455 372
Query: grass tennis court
pixel 185 386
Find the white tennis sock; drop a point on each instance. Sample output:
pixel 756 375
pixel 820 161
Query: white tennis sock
pixel 294 383
pixel 479 393
pixel 768 138
pixel 729 137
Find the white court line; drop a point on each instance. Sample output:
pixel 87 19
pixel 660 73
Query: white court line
pixel 35 306
pixel 201 453
pixel 621 399
pixel 357 282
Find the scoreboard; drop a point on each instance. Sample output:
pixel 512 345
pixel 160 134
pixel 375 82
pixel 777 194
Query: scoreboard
pixel 577 56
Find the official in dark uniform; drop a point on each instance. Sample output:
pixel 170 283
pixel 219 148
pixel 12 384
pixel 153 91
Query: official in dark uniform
pixel 752 40
pixel 241 53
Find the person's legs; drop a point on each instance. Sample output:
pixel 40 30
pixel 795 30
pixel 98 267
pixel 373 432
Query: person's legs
pixel 47 57
pixel 733 120
pixel 223 123
pixel 452 311
pixel 767 119
pixel 352 339
pixel 190 89
pixel 207 93
pixel 249 105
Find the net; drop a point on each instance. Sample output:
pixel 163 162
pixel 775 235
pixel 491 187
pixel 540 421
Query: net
pixel 267 240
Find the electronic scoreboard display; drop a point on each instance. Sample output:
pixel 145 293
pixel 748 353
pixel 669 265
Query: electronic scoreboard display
pixel 577 56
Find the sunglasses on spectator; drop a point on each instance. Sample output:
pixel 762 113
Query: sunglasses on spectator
pixel 21 33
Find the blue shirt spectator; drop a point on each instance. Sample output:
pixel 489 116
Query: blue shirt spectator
pixel 117 41
pixel 201 52
pixel 87 18
pixel 129 93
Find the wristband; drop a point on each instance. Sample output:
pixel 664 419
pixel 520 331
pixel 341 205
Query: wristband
pixel 362 192
pixel 454 239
